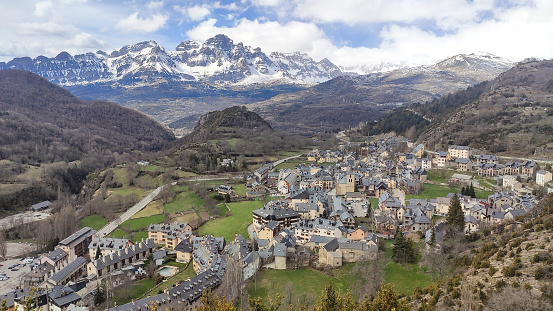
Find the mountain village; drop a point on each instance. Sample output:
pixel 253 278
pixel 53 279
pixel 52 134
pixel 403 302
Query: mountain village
pixel 336 208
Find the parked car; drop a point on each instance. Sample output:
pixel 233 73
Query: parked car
pixel 4 277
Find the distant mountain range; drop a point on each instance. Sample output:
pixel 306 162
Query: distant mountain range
pixel 348 100
pixel 291 90
pixel 217 60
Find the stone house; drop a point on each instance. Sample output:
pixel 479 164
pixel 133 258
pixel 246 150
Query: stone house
pixel 105 265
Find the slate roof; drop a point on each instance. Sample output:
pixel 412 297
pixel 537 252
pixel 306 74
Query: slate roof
pixel 69 269
pixel 41 205
pixel 275 213
pixel 63 296
pixel 108 243
pixel 332 245
pixel 77 236
pixel 471 219
pixel 280 250
pixel 56 255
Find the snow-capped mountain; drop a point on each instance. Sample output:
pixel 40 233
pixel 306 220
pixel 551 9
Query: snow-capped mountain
pixel 483 62
pixel 217 60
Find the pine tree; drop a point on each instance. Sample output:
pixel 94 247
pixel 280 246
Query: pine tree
pixel 99 295
pixel 471 191
pixel 463 191
pixel 387 300
pixel 455 217
pixel 403 250
pixel 98 253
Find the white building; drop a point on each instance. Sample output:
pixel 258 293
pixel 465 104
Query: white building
pixel 543 177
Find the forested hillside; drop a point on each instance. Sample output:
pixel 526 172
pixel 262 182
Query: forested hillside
pixel 511 114
pixel 44 127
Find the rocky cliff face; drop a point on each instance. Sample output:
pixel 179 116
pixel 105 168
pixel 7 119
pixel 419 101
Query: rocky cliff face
pixel 217 60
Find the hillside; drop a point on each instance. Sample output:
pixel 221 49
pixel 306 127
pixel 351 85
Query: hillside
pixel 508 268
pixel 44 127
pixel 233 133
pixel 345 101
pixel 42 122
pixel 509 115
pixel 512 114
pixel 226 123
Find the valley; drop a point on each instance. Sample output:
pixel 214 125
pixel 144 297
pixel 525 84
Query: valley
pixel 277 181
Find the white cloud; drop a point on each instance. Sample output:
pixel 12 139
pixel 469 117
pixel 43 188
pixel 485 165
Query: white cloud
pixel 267 3
pixel 43 9
pixel 270 36
pixel 197 13
pixel 154 5
pixel 84 41
pixel 354 12
pixel 146 25
pixel 49 29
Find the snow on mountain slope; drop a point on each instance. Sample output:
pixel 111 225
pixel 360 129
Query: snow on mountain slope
pixel 218 60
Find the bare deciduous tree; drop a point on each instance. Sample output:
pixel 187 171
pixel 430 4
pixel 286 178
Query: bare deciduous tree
pixel 370 274
pixel 3 246
pixel 436 260
pixel 232 285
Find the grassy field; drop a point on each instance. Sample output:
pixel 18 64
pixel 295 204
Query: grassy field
pixel 184 201
pixel 181 276
pixel 240 189
pixel 223 211
pixel 187 217
pixel 291 164
pixel 404 278
pixel 237 223
pixel 137 237
pixel 120 175
pixel 147 181
pixel 154 208
pixel 124 191
pixel 119 233
pixel 141 223
pixel 181 173
pixel 305 280
pixel 440 175
pixel 374 202
pixel 10 188
pixel 481 194
pixel 431 191
pixel 123 294
pixel 95 222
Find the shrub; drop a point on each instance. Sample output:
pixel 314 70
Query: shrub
pixel 539 273
pixel 492 270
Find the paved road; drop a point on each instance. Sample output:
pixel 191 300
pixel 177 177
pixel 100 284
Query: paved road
pixel 341 134
pixel 286 159
pixel 110 227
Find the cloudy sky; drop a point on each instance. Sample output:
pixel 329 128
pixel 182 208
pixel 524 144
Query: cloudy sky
pixel 348 32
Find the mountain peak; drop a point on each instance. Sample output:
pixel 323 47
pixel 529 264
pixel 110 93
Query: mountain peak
pixel 217 60
pixel 220 41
